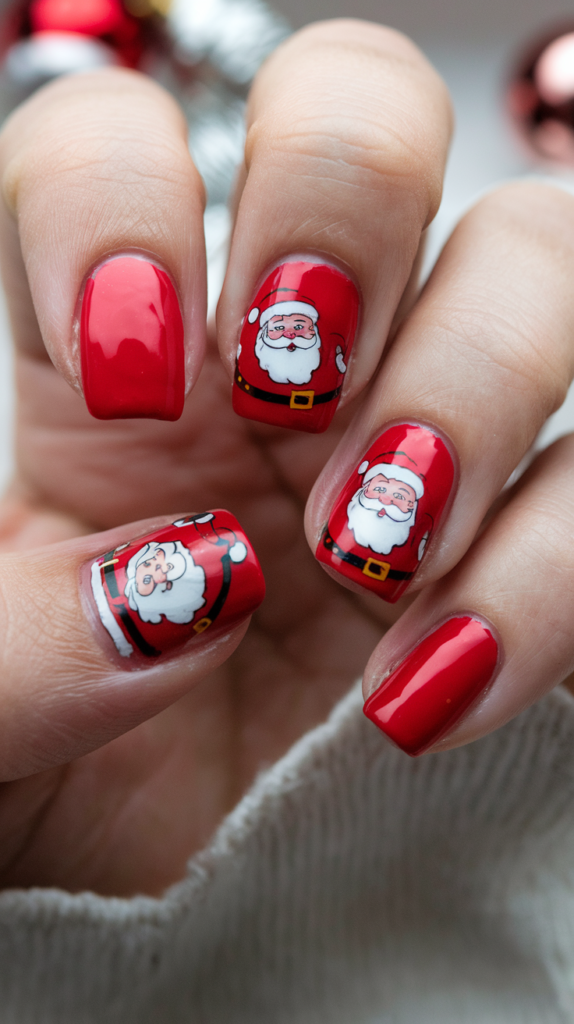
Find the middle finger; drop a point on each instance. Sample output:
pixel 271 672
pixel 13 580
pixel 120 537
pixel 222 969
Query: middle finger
pixel 348 129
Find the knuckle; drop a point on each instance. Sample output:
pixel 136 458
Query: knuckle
pixel 351 110
pixel 81 143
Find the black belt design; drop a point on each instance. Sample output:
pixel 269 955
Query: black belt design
pixel 303 400
pixel 199 627
pixel 369 566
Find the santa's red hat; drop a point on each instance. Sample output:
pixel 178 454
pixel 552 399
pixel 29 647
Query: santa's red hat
pixel 396 465
pixel 282 302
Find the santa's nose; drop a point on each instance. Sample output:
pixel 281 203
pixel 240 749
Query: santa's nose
pixel 289 334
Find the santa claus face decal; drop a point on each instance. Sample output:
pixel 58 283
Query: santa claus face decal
pixel 295 344
pixel 390 507
pixel 158 592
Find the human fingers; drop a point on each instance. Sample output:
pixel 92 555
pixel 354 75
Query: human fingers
pixel 103 632
pixel 348 129
pixel 494 635
pixel 101 241
pixel 483 359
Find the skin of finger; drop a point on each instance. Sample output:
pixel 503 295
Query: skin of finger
pixel 485 356
pixel 60 696
pixel 348 131
pixel 91 165
pixel 520 577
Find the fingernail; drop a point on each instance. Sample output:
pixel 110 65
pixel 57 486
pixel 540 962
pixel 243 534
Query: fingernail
pixel 160 591
pixel 131 336
pixel 388 511
pixel 435 685
pixel 295 346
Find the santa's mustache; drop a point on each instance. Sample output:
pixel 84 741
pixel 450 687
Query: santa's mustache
pixel 394 513
pixel 284 342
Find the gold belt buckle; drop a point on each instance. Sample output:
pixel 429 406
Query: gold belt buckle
pixel 376 570
pixel 202 625
pixel 301 399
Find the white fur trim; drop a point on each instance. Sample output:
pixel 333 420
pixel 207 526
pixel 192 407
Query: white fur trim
pixel 108 621
pixel 406 476
pixel 253 314
pixel 287 309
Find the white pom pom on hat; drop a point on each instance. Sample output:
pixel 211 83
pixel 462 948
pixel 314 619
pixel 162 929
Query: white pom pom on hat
pixel 253 314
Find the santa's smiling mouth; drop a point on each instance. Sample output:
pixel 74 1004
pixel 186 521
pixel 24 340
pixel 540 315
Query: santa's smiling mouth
pixel 291 347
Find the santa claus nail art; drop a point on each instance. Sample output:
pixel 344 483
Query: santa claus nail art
pixel 387 512
pixel 157 592
pixel 295 346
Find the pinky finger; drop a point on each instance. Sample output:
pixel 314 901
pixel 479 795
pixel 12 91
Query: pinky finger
pixel 496 633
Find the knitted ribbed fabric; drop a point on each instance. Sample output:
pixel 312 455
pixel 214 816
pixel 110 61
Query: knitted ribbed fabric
pixel 352 884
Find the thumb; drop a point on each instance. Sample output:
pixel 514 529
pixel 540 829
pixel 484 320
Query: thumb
pixel 95 641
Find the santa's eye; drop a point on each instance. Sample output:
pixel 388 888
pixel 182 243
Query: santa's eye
pixel 399 496
pixel 147 564
pixel 147 579
pixel 381 490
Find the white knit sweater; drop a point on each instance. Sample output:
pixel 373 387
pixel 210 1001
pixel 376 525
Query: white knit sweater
pixel 352 885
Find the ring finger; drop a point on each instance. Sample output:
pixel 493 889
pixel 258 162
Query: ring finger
pixel 484 358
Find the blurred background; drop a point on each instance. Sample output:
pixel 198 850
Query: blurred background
pixel 474 44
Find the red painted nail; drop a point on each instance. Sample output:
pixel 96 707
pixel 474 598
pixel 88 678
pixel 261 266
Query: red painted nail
pixel 386 514
pixel 295 347
pixel 132 342
pixel 157 592
pixel 435 685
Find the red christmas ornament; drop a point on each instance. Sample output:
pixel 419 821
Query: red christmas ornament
pixel 540 96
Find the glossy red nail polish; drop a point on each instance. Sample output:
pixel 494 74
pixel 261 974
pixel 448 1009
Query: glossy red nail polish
pixel 435 685
pixel 132 342
pixel 295 345
pixel 157 592
pixel 385 516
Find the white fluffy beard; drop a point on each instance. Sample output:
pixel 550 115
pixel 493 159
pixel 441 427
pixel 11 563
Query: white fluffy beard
pixel 286 367
pixel 379 533
pixel 178 603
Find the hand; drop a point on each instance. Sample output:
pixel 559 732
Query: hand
pixel 345 155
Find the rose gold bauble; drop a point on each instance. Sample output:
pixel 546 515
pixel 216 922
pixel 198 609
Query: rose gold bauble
pixel 540 96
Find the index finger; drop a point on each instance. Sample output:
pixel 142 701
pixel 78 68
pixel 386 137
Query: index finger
pixel 102 222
